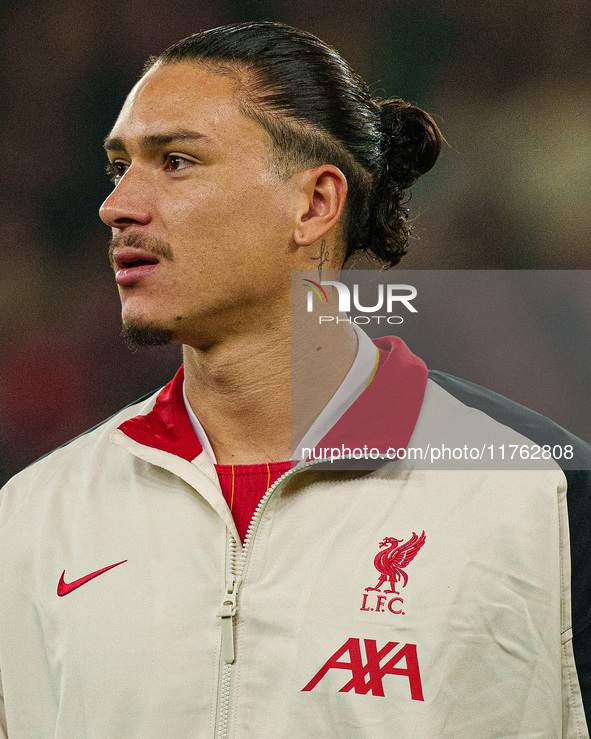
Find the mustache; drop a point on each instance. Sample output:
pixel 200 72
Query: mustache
pixel 150 244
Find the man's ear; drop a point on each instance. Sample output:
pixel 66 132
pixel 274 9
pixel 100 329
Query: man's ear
pixel 322 195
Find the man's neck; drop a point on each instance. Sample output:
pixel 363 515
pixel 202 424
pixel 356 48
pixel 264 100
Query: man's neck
pixel 241 387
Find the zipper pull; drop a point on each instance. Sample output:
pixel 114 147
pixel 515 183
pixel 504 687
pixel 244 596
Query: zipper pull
pixel 226 613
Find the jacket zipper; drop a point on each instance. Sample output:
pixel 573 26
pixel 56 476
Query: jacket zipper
pixel 226 613
pixel 229 606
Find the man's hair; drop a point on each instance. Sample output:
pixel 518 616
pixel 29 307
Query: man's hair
pixel 316 111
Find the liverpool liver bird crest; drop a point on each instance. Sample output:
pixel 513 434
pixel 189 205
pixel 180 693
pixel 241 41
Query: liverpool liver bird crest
pixel 390 562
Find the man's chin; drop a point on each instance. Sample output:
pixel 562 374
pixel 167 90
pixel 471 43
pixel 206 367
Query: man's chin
pixel 142 334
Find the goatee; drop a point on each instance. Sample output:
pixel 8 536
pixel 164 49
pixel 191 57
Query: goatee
pixel 141 334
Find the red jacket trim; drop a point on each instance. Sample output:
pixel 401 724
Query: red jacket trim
pixel 167 425
pixel 385 414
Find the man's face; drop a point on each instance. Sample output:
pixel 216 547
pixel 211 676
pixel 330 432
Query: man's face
pixel 202 228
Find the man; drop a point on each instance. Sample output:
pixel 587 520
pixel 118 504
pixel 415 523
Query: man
pixel 172 573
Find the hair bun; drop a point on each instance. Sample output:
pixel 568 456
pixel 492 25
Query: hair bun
pixel 412 140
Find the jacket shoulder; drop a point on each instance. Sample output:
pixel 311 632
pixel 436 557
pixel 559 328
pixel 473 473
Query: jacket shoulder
pixel 83 451
pixel 532 425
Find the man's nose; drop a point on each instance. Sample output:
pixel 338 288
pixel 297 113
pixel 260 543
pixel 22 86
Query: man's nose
pixel 128 204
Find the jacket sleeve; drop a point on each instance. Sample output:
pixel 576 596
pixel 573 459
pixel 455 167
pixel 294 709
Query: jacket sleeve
pixel 543 432
pixel 579 507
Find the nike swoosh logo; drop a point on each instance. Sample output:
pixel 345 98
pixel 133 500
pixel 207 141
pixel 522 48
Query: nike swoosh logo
pixel 63 588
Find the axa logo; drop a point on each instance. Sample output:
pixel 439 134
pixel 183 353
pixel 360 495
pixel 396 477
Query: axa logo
pixel 387 297
pixel 367 677
pixel 391 562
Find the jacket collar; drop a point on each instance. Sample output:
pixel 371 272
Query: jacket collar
pixel 384 415
pixel 167 425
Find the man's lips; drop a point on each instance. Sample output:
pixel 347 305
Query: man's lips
pixel 133 264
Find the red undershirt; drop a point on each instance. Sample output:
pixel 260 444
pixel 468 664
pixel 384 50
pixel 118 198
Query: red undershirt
pixel 243 486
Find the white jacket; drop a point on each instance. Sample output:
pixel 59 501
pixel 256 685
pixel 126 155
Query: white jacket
pixel 190 635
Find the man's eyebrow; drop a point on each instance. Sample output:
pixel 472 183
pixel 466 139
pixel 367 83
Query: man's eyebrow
pixel 153 140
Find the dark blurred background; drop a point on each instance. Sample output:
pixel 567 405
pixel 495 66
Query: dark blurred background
pixel 508 82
